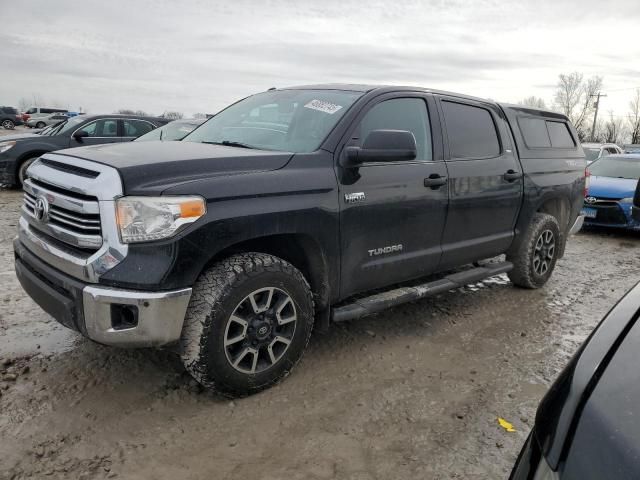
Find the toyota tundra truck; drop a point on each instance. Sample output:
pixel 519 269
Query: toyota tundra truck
pixel 292 209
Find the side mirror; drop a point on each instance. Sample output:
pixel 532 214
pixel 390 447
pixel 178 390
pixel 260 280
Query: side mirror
pixel 80 134
pixel 382 146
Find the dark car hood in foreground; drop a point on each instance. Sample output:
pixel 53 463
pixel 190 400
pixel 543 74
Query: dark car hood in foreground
pixel 151 167
pixel 593 408
pixel 606 443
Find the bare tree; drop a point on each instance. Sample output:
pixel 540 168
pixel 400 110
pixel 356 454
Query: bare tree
pixel 199 115
pixel 613 129
pixel 173 115
pixel 533 101
pixel 128 111
pixel 574 98
pixel 634 118
pixel 36 100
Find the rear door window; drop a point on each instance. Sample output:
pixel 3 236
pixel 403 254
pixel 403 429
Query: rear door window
pixel 560 135
pixel 470 130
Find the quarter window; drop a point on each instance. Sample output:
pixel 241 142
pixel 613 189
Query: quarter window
pixel 471 131
pixel 540 133
pixel 408 114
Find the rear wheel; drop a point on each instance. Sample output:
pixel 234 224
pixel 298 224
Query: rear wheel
pixel 8 124
pixel 248 323
pixel 41 125
pixel 536 256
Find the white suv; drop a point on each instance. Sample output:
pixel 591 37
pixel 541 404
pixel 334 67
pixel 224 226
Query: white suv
pixel 594 151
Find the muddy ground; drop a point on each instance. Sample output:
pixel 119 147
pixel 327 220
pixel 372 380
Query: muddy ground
pixel 414 392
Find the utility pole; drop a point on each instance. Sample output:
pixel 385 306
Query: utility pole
pixel 595 115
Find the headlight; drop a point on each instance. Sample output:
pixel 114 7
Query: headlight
pixel 141 219
pixel 627 200
pixel 4 146
pixel 544 472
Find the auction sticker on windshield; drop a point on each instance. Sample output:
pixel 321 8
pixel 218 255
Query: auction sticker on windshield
pixel 321 106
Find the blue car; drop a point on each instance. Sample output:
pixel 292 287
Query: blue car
pixel 612 186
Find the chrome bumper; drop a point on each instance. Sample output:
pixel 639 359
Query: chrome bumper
pixel 577 225
pixel 159 316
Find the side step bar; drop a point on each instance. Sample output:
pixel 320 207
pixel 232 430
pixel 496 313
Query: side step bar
pixel 381 301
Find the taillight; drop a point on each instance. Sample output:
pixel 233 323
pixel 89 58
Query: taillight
pixel 587 175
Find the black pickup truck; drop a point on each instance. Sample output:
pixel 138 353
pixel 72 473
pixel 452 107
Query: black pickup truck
pixel 292 209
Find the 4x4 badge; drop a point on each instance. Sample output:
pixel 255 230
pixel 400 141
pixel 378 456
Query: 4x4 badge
pixel 354 197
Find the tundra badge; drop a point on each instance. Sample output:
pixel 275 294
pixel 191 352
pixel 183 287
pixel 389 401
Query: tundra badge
pixel 384 250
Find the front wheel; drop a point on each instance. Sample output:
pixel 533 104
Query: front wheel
pixel 22 170
pixel 536 256
pixel 8 124
pixel 41 125
pixel 248 323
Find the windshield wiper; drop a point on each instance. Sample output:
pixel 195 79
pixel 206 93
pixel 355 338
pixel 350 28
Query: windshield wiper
pixel 229 143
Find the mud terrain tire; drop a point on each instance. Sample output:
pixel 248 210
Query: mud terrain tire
pixel 535 257
pixel 229 341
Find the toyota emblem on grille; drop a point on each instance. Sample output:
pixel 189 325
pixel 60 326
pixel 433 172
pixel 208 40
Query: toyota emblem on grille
pixel 591 199
pixel 41 209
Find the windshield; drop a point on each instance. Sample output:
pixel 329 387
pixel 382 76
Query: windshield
pixel 286 120
pixel 617 167
pixel 175 130
pixel 591 153
pixel 67 126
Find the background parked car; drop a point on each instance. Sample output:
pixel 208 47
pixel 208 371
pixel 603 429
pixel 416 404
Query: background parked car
pixel 594 151
pixel 10 117
pixel 176 130
pixel 613 182
pixel 18 152
pixel 41 122
pixel 588 424
pixel 33 111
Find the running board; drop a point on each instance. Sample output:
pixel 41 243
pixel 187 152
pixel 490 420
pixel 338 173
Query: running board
pixel 381 301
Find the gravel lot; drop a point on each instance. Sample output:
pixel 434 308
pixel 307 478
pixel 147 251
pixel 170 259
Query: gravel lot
pixel 414 392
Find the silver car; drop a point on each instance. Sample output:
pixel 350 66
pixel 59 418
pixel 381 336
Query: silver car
pixel 46 120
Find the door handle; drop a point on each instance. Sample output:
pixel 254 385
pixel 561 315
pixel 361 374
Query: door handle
pixel 435 181
pixel 512 175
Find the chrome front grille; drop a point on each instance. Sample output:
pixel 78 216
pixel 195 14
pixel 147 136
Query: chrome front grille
pixel 70 217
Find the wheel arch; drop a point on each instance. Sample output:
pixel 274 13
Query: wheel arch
pixel 300 250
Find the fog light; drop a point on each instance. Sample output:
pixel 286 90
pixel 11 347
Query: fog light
pixel 124 317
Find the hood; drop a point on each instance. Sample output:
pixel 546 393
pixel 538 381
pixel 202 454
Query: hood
pixel 150 167
pixel 606 442
pixel 610 187
pixel 18 136
pixel 599 390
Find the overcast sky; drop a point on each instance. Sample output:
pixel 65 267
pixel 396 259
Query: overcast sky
pixel 198 56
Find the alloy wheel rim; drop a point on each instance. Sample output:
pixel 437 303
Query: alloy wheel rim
pixel 544 252
pixel 260 330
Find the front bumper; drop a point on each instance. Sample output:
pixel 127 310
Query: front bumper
pixel 614 214
pixel 111 316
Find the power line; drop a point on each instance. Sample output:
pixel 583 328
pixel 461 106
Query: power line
pixel 622 89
